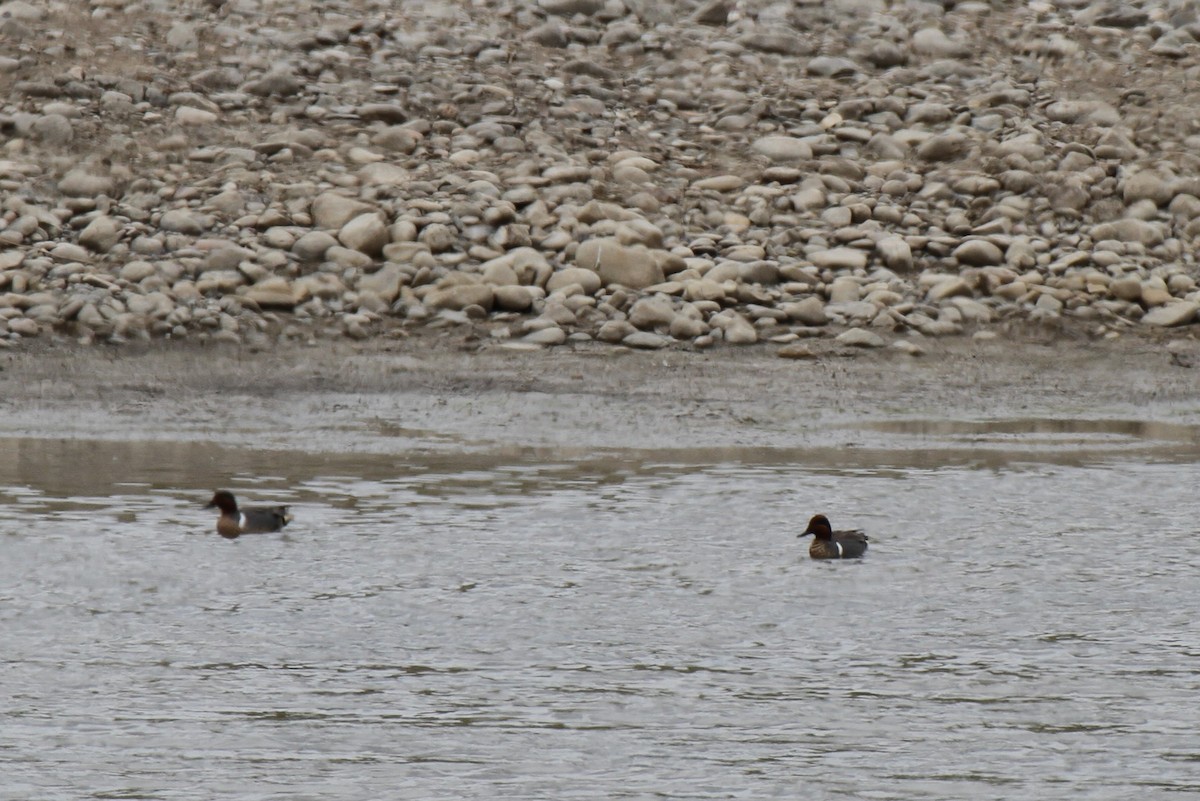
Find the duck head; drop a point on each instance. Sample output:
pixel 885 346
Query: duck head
pixel 819 527
pixel 223 500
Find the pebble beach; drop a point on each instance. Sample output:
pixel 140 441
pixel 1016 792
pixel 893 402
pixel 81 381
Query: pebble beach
pixel 646 174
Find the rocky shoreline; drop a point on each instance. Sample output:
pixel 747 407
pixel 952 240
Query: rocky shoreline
pixel 645 174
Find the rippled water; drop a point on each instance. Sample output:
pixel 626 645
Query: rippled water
pixel 621 625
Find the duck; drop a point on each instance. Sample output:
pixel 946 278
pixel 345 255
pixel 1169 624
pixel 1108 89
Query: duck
pixel 830 544
pixel 253 520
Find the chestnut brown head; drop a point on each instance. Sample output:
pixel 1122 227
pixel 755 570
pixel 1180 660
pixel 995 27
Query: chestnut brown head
pixel 223 500
pixel 819 527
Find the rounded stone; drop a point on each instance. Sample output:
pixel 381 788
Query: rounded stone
pixel 1047 302
pixel 24 326
pixel 181 221
pixel 909 347
pixel 632 267
pixel 951 286
pixel 459 297
pixel 137 271
pixel 840 259
pixel 684 327
pixel 739 331
pixel 569 8
pixel 978 253
pixel 615 331
pixel 1083 111
pixel 759 272
pixel 551 335
pixel 1128 288
pixel 513 298
pixel 386 282
pixel 588 280
pixel 101 234
pixel 69 251
pixel 810 311
pixel 272 293
pixel 398 139
pixel 88 315
pixel 365 233
pixel 331 210
pixel 1153 295
pixel 438 237
pixel 933 41
pixel 720 183
pixel 896 253
pixel 348 259
pixel 844 290
pixel 796 350
pixel 280 82
pixel 80 183
pixel 860 338
pixel 645 340
pixel 704 289
pixel 651 312
pixel 832 67
pixel 499 272
pixel 1147 185
pixel 192 117
pixel 783 149
pixel 1169 316
pixel 1130 230
pixel 944 147
pixel 313 245
pixel 53 129
pixel 639 232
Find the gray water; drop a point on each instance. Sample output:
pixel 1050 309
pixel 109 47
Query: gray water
pixel 623 625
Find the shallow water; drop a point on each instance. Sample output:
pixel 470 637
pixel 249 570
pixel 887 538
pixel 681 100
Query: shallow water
pixel 559 625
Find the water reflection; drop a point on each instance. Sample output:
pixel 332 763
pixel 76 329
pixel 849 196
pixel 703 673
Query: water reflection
pixel 91 467
pixel 1053 432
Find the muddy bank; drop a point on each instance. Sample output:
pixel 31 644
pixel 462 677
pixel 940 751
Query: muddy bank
pixel 429 393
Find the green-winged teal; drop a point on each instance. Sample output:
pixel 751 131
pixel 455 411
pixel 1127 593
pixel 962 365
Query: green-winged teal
pixel 830 544
pixel 258 520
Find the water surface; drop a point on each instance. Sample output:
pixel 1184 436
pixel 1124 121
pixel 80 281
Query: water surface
pixel 550 625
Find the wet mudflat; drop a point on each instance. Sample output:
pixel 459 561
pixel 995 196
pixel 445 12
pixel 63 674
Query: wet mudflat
pixel 608 623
